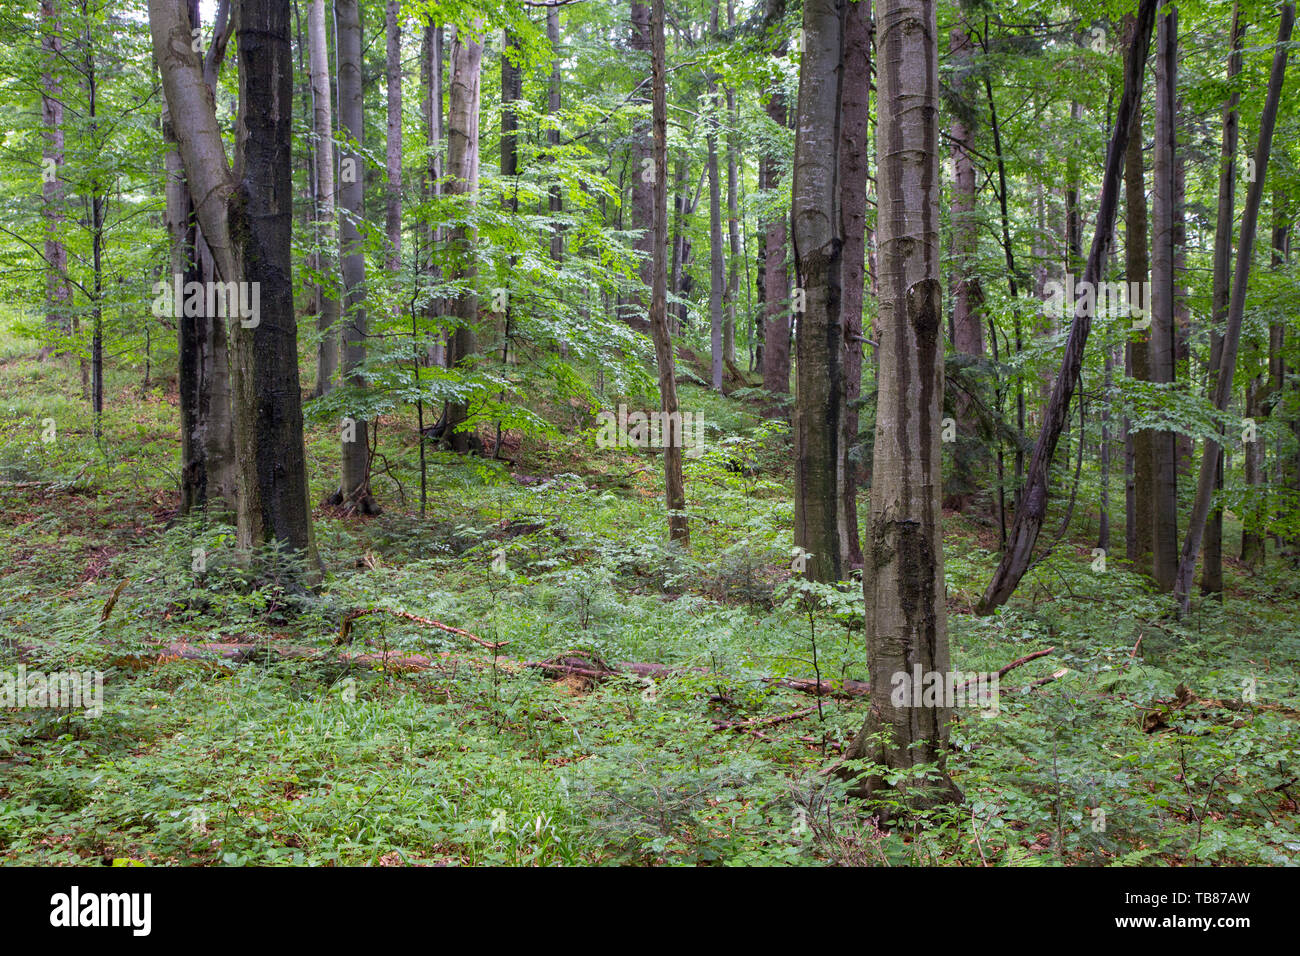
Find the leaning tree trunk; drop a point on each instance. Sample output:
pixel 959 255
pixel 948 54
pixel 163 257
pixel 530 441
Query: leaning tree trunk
pixel 674 488
pixel 1032 510
pixel 903 579
pixel 1236 309
pixel 1212 562
pixel 354 488
pixel 327 352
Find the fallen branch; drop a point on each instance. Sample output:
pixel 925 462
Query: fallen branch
pixel 345 629
pixel 754 723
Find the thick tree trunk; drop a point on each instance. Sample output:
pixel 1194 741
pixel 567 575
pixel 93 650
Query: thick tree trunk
pixel 675 490
pixel 1236 309
pixel 327 319
pixel 1164 502
pixel 903 579
pixel 462 180
pixel 1212 563
pixel 354 488
pixel 819 339
pixel 1032 510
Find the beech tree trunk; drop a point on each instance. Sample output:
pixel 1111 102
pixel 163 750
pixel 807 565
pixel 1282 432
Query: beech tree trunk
pixel 819 338
pixel 717 262
pixel 393 144
pixel 675 490
pixel 462 180
pixel 327 320
pixel 354 488
pixel 644 172
pixel 1164 501
pixel 58 292
pixel 903 581
pixel 776 276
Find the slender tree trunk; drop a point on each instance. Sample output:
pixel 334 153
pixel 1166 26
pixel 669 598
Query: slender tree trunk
pixel 555 200
pixel 733 221
pixel 776 277
pixel 327 319
pixel 393 144
pixel 675 491
pixel 354 488
pixel 970 455
pixel 1212 563
pixel 58 292
pixel 431 98
pixel 1164 503
pixel 644 170
pixel 1236 309
pixel 855 88
pixel 717 261
pixel 1032 510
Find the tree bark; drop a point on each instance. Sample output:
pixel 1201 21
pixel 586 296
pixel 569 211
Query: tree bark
pixel 674 488
pixel 58 292
pixel 903 580
pixel 354 488
pixel 819 338
pixel 327 319
pixel 776 277
pixel 393 143
pixel 717 261
pixel 1164 501
pixel 462 180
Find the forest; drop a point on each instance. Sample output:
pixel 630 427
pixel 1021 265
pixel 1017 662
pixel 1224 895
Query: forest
pixel 649 433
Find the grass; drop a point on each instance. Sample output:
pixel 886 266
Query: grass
pixel 312 760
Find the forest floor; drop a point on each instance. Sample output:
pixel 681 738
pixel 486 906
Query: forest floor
pixel 1140 750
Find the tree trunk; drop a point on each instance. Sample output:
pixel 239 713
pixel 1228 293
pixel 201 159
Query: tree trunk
pixel 819 338
pixel 58 292
pixel 733 221
pixel 354 489
pixel 1032 510
pixel 555 201
pixel 903 579
pixel 393 144
pixel 970 454
pixel 462 180
pixel 431 104
pixel 644 172
pixel 327 319
pixel 1138 507
pixel 1236 308
pixel 717 261
pixel 855 88
pixel 1164 503
pixel 1212 564
pixel 776 277
pixel 674 488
